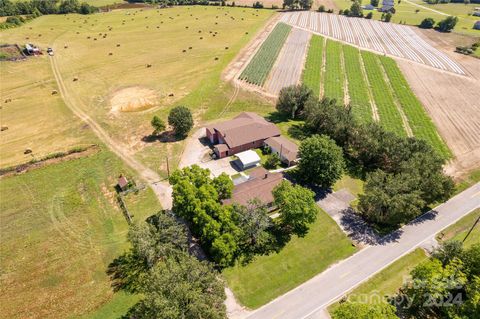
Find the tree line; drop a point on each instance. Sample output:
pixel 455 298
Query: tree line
pixel 403 176
pixel 40 7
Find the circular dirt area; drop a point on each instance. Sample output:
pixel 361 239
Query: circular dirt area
pixel 133 99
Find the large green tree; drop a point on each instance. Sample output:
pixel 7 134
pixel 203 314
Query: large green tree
pixel 321 161
pixel 389 200
pixel 180 118
pixel 256 228
pixel 445 286
pixel 197 199
pixel 447 24
pixel 296 206
pixel 181 288
pixel 292 99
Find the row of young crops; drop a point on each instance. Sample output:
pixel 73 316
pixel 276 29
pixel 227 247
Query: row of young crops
pixel 374 84
pixel 334 76
pixel 418 119
pixel 259 67
pixel 313 65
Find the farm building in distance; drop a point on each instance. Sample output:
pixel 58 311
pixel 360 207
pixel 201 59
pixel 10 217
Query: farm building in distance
pixel 244 132
pixel 260 184
pixel 284 148
pixel 387 5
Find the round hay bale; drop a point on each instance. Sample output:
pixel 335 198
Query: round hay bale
pixel 54 92
pixel 75 79
pixel 226 48
pixel 170 94
pixel 110 53
pixel 190 48
pixel 216 58
pixel 149 65
pixel 184 50
pixel 4 128
pixel 201 38
pixel 27 151
pixel 65 46
pixel 118 45
pixel 39 35
pixel 216 22
pixel 94 39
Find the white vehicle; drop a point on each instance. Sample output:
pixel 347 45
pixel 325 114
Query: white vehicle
pixel 50 51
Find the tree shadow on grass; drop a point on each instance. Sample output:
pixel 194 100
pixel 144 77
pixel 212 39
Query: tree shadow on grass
pixel 124 272
pixel 164 137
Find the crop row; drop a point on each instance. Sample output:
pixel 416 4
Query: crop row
pixel 334 76
pixel 313 65
pixel 420 123
pixel 357 86
pixel 390 117
pixel 257 70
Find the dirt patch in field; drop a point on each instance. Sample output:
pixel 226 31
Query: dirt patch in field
pixel 133 99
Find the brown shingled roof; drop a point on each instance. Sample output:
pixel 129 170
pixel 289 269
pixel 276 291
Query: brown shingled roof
pixel 288 148
pixel 245 128
pixel 260 185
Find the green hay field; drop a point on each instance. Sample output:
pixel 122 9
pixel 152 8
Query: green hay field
pixel 61 227
pixel 35 118
pixel 126 41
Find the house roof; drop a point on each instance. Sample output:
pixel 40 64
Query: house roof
pixel 246 128
pixel 288 149
pixel 248 158
pixel 259 185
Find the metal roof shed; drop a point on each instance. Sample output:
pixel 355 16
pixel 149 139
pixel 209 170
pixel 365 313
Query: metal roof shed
pixel 248 159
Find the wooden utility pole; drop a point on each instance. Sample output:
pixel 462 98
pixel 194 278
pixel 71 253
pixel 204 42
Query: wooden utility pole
pixel 168 169
pixel 471 229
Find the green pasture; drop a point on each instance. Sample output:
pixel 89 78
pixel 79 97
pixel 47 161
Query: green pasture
pixel 61 227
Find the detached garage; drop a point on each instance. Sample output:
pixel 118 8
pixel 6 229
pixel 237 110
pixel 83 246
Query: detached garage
pixel 248 159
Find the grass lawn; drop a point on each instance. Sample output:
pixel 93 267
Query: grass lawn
pixel 109 52
pixel 353 185
pixel 470 180
pixel 387 281
pixel 459 230
pixel 115 308
pixel 268 277
pixel 61 227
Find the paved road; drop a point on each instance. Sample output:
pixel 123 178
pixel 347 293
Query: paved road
pixel 311 298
